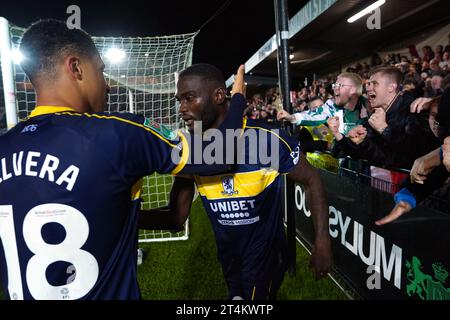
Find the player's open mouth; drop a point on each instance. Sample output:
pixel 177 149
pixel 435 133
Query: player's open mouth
pixel 371 96
pixel 188 120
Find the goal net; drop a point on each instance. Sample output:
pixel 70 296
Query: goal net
pixel 142 74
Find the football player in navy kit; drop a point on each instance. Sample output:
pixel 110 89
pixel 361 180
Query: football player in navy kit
pixel 244 206
pixel 69 176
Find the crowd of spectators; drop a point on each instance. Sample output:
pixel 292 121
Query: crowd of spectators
pixel 424 75
pixel 397 115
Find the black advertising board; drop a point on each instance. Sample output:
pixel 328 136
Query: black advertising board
pixel 406 259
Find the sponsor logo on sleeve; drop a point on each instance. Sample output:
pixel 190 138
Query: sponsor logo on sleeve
pixel 295 155
pixel 30 128
pixel 161 129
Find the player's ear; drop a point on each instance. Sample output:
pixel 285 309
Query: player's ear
pixel 73 65
pixel 220 95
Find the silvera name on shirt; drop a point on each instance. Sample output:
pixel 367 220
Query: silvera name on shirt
pixel 36 164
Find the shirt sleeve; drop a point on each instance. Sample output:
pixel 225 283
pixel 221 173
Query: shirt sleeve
pixel 289 152
pixel 435 180
pixel 271 148
pixel 152 147
pixel 316 117
pixel 233 119
pixel 137 146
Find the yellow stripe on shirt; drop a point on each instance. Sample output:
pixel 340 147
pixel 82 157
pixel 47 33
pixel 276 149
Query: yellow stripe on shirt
pixel 136 190
pixel 270 131
pixel 40 110
pixel 245 184
pixel 58 110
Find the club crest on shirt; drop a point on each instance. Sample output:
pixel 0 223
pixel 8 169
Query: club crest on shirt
pixel 228 186
pixel 295 155
pixel 161 129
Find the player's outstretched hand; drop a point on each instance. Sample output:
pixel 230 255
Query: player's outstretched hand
pixel 239 83
pixel 400 209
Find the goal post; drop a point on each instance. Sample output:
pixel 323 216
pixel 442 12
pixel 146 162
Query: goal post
pixel 142 73
pixel 7 73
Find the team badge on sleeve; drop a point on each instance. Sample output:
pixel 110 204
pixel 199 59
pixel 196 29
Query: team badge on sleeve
pixel 161 129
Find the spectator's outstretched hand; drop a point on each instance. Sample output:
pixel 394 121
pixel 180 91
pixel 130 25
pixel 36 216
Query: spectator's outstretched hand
pixel 239 83
pixel 423 166
pixel 446 153
pixel 400 209
pixel 420 104
pixel 283 115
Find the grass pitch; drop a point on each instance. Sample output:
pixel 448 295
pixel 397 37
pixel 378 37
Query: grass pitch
pixel 190 269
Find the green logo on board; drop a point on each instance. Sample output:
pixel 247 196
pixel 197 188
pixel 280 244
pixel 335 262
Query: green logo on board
pixel 424 285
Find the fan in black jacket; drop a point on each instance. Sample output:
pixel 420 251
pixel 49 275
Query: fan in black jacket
pixel 432 169
pixel 393 136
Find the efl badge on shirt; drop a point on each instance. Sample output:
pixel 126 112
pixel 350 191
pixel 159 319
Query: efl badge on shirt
pixel 228 186
pixel 161 129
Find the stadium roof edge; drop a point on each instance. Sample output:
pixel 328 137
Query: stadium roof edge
pixel 312 10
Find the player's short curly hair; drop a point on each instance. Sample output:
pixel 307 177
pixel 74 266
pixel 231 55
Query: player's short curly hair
pixel 206 71
pixel 46 42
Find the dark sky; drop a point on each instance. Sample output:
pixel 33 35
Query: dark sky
pixel 230 39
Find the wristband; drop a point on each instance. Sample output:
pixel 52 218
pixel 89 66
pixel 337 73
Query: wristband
pixel 407 196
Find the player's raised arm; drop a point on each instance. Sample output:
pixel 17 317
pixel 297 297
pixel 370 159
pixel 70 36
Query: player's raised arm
pixel 236 109
pixel 231 111
pixel 239 85
pixel 321 257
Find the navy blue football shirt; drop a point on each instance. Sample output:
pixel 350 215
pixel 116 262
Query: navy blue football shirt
pixel 244 206
pixel 69 198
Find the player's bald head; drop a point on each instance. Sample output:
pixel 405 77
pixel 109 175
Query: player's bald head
pixel 46 43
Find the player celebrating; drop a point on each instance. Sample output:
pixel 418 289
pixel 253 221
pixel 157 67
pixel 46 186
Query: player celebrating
pixel 69 188
pixel 244 206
